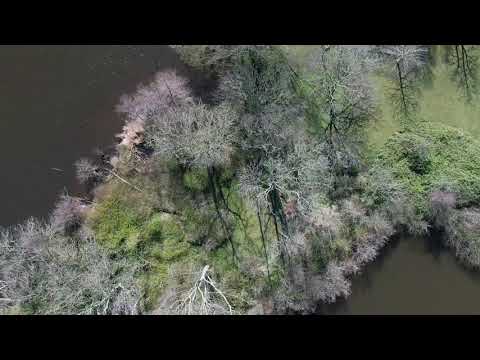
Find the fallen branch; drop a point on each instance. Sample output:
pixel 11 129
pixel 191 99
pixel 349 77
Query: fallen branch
pixel 201 298
pixel 125 181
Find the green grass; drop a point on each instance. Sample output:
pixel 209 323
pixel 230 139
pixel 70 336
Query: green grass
pixel 125 223
pixel 440 99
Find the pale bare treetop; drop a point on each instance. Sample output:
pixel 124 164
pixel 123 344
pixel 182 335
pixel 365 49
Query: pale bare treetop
pixel 168 89
pixel 409 57
pixel 297 177
pixel 194 134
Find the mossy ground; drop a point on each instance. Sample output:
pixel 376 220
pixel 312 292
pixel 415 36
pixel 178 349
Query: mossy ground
pixel 126 222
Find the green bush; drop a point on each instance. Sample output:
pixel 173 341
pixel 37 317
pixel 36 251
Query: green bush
pixel 196 180
pixel 431 157
pixel 116 224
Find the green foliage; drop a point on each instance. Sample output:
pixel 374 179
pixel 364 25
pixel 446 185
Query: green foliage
pixel 416 151
pixel 196 180
pixel 116 224
pixel 431 156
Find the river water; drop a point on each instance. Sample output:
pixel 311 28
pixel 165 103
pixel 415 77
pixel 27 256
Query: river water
pixel 57 104
pixel 412 276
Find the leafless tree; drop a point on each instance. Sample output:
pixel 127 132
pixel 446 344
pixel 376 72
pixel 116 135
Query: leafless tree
pixel 67 216
pixel 20 262
pixel 404 63
pixel 87 171
pixel 260 78
pixel 342 89
pixel 194 135
pixel 167 90
pixel 215 58
pixel 331 284
pixel 45 273
pixel 292 180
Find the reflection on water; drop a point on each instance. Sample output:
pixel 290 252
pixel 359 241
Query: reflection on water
pixel 413 276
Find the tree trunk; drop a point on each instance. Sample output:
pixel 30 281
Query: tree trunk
pixel 465 68
pixel 402 88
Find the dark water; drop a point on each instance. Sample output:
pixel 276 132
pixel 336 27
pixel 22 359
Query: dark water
pixel 56 105
pixel 413 277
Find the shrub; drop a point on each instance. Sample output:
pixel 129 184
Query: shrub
pixel 416 151
pixel 67 215
pixel 451 155
pixel 331 284
pixel 196 180
pixel 464 236
pixel 87 171
pixel 54 276
pixel 116 224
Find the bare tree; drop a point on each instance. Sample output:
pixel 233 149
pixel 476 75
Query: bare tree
pixel 442 205
pixel 260 78
pixel 331 284
pixel 404 63
pixel 462 236
pixel 20 262
pixel 45 273
pixel 342 89
pixel 167 90
pixel 67 216
pixel 293 180
pixel 198 136
pixel 215 58
pixel 87 171
pixel 194 135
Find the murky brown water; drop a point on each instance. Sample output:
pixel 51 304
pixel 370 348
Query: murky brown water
pixel 56 105
pixel 413 277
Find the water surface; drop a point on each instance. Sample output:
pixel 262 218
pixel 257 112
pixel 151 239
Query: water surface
pixel 412 276
pixel 56 105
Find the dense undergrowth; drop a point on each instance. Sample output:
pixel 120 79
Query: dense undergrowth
pixel 265 200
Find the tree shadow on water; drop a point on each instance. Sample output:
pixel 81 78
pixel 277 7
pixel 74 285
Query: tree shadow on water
pixel 434 245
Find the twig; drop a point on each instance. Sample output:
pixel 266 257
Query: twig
pixel 125 181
